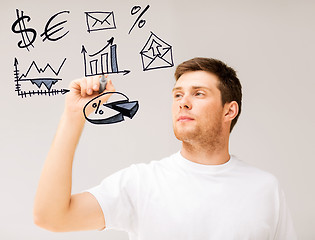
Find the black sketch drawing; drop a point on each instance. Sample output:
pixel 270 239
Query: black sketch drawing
pixel 50 30
pixel 156 54
pixel 28 34
pixel 97 21
pixel 51 78
pixel 98 63
pixel 121 108
pixel 140 22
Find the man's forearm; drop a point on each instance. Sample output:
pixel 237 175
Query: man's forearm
pixel 54 190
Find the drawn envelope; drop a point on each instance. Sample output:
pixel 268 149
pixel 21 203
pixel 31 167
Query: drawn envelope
pixel 156 54
pixel 97 21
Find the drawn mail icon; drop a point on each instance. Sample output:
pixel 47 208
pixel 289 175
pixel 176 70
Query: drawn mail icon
pixel 156 54
pixel 97 21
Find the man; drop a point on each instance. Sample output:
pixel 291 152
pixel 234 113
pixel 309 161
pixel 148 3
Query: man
pixel 201 192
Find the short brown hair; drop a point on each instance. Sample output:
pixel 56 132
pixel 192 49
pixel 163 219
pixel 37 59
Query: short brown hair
pixel 229 85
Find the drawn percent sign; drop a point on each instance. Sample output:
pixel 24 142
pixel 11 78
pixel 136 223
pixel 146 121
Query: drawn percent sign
pixel 134 11
pixel 121 108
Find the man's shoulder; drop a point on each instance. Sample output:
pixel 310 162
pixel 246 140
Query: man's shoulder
pixel 253 173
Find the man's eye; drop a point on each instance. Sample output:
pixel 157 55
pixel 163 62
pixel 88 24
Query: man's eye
pixel 177 95
pixel 199 94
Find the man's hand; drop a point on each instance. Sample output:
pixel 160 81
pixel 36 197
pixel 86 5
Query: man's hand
pixel 83 90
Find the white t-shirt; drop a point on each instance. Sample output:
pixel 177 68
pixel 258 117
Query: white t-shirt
pixel 176 199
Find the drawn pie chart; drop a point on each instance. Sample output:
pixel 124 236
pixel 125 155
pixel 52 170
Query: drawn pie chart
pixel 115 109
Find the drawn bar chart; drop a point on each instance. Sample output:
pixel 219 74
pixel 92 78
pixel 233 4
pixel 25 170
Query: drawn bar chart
pixel 103 61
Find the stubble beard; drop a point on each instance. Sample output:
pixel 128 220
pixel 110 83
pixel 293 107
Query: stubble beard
pixel 210 138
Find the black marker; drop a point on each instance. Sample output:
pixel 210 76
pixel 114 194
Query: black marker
pixel 103 82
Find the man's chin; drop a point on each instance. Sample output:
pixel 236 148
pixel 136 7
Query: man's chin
pixel 185 135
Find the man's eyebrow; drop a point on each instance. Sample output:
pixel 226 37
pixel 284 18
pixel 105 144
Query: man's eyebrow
pixel 177 88
pixel 193 87
pixel 201 87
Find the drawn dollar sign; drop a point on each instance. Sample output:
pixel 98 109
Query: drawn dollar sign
pixel 19 27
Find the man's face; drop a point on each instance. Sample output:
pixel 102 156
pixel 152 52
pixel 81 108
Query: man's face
pixel 197 108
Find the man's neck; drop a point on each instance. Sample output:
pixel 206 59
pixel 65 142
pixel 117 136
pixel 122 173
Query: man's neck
pixel 205 155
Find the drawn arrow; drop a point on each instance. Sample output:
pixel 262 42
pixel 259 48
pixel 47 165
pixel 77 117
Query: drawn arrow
pixel 16 71
pixel 155 48
pixel 41 92
pixel 83 50
pixel 109 42
pixel 124 72
pixel 126 108
pixel 64 91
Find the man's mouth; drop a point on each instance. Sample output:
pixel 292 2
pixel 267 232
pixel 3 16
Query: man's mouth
pixel 184 119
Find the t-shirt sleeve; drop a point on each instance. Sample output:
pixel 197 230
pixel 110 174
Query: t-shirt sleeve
pixel 117 196
pixel 285 229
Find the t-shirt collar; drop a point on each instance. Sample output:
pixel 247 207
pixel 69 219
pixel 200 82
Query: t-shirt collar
pixel 197 167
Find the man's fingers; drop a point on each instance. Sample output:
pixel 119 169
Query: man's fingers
pixel 83 86
pixel 109 86
pixel 89 85
pixel 96 83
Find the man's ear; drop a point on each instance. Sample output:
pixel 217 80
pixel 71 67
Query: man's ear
pixel 230 111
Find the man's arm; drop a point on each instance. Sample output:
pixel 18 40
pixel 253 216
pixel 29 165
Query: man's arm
pixel 55 208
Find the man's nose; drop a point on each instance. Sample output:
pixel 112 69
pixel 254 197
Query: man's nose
pixel 185 103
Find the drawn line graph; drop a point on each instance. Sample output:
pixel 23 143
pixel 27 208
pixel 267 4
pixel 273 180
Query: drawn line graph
pixel 38 81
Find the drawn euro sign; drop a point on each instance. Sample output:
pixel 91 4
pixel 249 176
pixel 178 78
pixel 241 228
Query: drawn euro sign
pixel 111 112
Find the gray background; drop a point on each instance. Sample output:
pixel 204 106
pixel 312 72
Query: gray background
pixel 269 43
